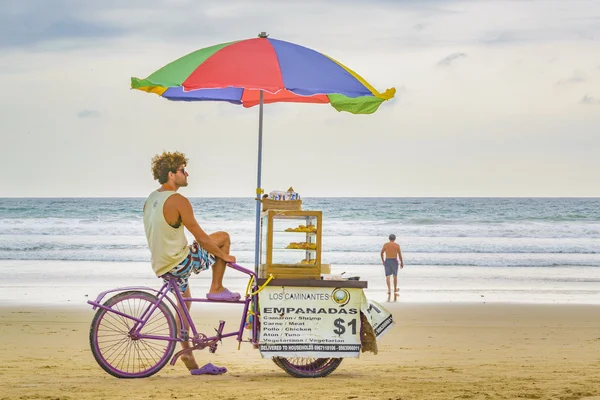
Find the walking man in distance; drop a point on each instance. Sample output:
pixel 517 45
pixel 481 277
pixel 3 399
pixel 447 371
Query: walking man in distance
pixel 392 253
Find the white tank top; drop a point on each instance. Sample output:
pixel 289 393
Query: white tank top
pixel 168 245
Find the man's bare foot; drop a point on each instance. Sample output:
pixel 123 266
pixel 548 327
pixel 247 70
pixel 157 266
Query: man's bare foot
pixel 396 290
pixel 189 362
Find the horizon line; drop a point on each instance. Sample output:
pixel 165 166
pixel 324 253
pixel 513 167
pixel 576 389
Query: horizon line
pixel 312 197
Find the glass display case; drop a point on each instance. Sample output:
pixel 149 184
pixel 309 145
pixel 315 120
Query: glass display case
pixel 290 244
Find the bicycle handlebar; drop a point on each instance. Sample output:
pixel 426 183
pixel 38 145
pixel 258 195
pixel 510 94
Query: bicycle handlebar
pixel 241 269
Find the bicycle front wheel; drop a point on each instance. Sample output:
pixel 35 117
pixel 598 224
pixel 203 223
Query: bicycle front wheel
pixel 115 346
pixel 306 367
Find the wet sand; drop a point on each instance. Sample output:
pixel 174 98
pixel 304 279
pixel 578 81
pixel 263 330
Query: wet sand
pixel 435 351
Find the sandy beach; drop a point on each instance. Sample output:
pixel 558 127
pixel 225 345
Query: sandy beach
pixel 435 351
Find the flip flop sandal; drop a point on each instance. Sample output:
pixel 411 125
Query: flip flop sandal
pixel 225 295
pixel 208 369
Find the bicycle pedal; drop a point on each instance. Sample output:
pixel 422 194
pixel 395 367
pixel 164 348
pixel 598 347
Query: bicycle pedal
pixel 220 329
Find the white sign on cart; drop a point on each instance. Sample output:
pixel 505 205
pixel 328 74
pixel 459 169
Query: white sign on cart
pixel 320 322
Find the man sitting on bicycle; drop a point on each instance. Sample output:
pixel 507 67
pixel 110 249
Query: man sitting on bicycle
pixel 166 212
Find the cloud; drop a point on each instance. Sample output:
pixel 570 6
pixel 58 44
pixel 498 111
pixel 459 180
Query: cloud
pixel 578 77
pixel 502 37
pixel 36 21
pixel 445 62
pixel 88 114
pixel 88 47
pixel 59 24
pixel 587 99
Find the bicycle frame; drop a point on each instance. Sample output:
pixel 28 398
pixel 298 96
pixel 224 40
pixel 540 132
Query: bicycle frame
pixel 199 340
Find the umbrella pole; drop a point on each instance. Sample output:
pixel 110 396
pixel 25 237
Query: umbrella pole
pixel 259 190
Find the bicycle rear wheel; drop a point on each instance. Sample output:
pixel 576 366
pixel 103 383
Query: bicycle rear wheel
pixel 114 347
pixel 306 367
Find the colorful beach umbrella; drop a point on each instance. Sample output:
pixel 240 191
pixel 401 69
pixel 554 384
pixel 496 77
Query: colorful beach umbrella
pixel 260 71
pixel 236 72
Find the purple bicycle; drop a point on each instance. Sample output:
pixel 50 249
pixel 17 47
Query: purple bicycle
pixel 134 333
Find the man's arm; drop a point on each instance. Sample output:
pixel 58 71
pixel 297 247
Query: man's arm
pixel 184 207
pixel 400 255
pixel 382 251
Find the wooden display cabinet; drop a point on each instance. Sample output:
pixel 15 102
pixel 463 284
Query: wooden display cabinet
pixel 290 244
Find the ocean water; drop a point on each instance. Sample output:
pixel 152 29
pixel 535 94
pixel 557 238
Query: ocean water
pixel 455 249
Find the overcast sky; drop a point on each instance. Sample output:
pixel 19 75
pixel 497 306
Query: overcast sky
pixel 494 98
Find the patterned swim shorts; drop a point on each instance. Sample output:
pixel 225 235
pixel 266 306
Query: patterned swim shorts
pixel 198 260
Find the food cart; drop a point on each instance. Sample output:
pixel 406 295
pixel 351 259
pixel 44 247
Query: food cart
pixel 307 325
pixel 304 323
pixel 302 314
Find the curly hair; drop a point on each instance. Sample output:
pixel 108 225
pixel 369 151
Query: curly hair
pixel 167 162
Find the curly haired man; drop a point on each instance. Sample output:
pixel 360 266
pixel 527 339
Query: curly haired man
pixel 166 212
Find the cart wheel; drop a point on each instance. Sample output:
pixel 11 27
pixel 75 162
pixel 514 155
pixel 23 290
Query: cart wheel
pixel 117 352
pixel 302 367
